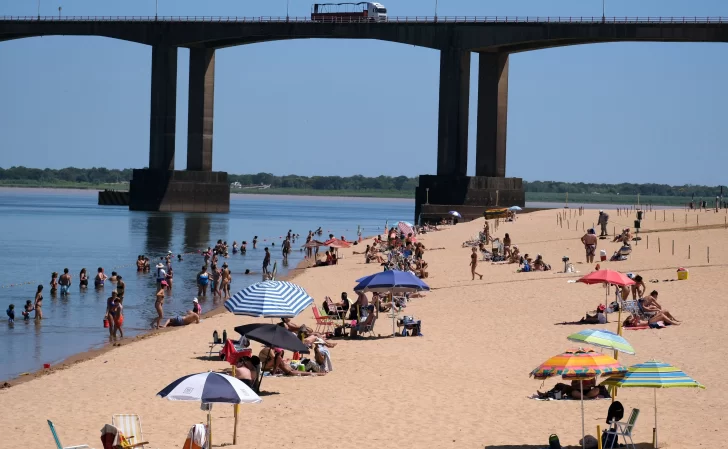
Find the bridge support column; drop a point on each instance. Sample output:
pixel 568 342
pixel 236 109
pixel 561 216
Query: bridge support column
pixel 200 110
pixel 161 188
pixel 451 188
pixel 163 111
pixel 490 159
pixel 452 129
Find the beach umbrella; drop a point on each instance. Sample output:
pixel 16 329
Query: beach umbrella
pixel 337 243
pixel 272 335
pixel 603 339
pixel 579 364
pixel 608 277
pixel 209 388
pixel 515 208
pixel 270 299
pixel 653 374
pixel 406 228
pixel 455 214
pixel 313 244
pixel 391 281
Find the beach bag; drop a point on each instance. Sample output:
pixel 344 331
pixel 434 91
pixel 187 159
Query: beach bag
pixel 554 441
pixel 609 439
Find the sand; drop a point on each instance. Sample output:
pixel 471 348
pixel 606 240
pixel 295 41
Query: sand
pixel 464 384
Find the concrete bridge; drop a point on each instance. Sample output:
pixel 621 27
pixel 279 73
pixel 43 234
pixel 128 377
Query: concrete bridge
pixel 198 188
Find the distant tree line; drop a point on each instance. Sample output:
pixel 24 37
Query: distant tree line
pixel 25 175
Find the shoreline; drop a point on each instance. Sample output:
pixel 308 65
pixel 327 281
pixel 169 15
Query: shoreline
pixel 95 350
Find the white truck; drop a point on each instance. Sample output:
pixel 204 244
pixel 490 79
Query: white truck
pixel 335 12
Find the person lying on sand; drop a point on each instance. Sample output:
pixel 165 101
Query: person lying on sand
pixel 274 363
pixel 573 391
pixel 179 320
pixel 636 321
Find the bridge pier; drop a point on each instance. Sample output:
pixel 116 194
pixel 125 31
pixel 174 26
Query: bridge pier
pixel 451 188
pixel 160 187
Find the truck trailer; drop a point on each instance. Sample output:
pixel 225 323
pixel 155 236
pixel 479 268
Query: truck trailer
pixel 324 12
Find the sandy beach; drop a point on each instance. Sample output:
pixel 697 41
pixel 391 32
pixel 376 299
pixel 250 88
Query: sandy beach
pixel 463 384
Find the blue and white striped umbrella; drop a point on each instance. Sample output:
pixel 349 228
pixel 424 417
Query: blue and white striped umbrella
pixel 209 388
pixel 270 299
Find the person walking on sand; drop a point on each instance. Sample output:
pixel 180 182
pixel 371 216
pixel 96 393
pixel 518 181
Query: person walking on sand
pixel 266 261
pixel 603 221
pixel 590 244
pixel 474 263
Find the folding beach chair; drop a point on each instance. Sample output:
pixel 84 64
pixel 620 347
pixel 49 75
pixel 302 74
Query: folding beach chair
pixel 323 323
pixel 623 429
pixel 215 342
pixel 58 442
pixel 131 427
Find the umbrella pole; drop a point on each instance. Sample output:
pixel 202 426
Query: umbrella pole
pixel 656 446
pixel 235 414
pixel 616 353
pixel 581 389
pixel 209 426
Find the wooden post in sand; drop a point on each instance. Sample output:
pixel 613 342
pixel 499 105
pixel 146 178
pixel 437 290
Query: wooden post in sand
pixel 673 217
pixel 697 220
pixel 688 251
pixel 648 240
pixel 659 248
pixel 673 247
pixel 663 215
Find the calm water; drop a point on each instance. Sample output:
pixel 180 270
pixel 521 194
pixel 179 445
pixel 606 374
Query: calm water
pixel 45 231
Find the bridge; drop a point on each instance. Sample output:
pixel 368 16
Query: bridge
pixel 200 189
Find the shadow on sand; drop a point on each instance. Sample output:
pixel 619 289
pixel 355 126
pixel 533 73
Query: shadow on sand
pixel 546 446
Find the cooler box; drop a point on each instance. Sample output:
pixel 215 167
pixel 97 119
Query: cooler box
pixel 603 255
pixel 682 275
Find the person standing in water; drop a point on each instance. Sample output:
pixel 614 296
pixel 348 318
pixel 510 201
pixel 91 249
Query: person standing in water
pixel 203 278
pixel 286 248
pixel 161 273
pixel 255 242
pixel 100 278
pixel 474 263
pixel 243 248
pixel 65 282
pixel 120 287
pixel 83 279
pixel 117 313
pixel 109 317
pixel 38 303
pixel 266 261
pixel 28 308
pixel 54 283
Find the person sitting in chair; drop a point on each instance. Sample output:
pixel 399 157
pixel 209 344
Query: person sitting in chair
pixel 367 324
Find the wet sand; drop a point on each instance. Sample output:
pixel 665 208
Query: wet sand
pixel 463 384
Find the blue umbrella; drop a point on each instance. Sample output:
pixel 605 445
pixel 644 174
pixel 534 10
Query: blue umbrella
pixel 455 213
pixel 269 299
pixel 391 281
pixel 516 208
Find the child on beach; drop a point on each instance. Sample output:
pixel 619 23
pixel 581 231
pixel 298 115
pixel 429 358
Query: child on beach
pixel 28 309
pixel 474 264
pixel 11 313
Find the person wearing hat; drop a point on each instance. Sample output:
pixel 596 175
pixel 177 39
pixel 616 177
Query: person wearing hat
pixel 599 318
pixel 161 274
pixel 196 307
pixel 603 221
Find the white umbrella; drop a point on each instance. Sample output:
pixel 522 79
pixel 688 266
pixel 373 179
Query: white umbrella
pixel 455 213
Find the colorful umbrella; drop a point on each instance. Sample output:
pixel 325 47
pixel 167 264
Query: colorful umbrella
pixel 579 364
pixel 603 339
pixel 653 374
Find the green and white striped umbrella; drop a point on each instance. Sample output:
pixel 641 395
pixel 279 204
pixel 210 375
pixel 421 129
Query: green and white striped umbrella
pixel 603 339
pixel 653 374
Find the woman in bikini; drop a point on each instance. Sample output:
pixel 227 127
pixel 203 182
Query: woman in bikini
pixel 159 304
pixel 83 279
pixel 54 283
pixel 120 287
pixel 474 264
pixel 506 245
pixel 39 303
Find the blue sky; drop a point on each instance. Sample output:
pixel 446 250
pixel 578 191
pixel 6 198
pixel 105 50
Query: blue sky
pixel 632 112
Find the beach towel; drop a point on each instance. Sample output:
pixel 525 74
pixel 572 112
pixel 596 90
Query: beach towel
pixel 112 438
pixel 328 366
pixel 196 437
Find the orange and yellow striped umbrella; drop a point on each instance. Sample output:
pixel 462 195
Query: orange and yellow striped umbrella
pixel 579 364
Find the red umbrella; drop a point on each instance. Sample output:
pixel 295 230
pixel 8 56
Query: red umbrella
pixel 608 277
pixel 336 243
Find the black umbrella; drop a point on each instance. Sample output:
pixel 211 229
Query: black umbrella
pixel 274 336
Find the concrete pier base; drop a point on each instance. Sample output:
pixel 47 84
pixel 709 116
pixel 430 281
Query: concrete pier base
pixel 179 191
pixel 469 195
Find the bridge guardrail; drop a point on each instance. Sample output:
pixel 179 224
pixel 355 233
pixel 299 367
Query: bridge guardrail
pixel 412 19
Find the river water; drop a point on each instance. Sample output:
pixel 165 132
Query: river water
pixel 46 230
